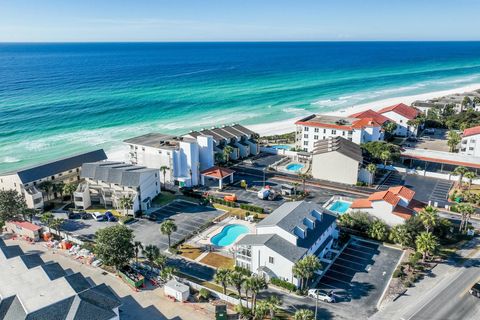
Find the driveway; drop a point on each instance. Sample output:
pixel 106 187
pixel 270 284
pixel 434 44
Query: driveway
pixel 429 189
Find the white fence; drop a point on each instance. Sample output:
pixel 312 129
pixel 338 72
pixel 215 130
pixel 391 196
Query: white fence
pixel 438 175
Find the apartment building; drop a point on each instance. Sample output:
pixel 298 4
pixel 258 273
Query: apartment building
pixel 313 128
pixel 470 144
pixel 107 182
pixel 401 114
pixel 67 170
pixel 288 234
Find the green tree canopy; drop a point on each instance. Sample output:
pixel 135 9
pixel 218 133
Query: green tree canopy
pixel 12 205
pixel 114 245
pixel 374 150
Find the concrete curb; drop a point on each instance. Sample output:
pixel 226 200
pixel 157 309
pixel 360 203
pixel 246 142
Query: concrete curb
pixel 389 281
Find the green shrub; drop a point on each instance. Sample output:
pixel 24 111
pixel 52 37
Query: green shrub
pixel 398 273
pixel 125 219
pixel 243 271
pixel 204 294
pixel 252 208
pixel 283 284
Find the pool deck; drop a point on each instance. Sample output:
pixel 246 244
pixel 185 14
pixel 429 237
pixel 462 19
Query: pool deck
pixel 203 239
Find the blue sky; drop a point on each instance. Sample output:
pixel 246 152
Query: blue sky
pixel 239 20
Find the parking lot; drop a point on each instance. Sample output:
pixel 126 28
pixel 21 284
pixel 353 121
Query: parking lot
pixel 188 217
pixel 429 189
pixel 359 276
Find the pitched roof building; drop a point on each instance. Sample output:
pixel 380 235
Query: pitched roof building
pixel 401 114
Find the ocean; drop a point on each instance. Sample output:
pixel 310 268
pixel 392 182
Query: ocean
pixel 61 99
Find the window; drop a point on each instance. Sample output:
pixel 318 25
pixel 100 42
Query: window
pixel 70 171
pixel 401 121
pixel 270 260
pixel 316 130
pixel 324 130
pixel 350 132
pixel 343 133
pixel 334 131
pixel 305 128
pixel 315 137
pixel 305 143
pixel 471 148
pixel 324 137
pixel 305 149
pixel 305 135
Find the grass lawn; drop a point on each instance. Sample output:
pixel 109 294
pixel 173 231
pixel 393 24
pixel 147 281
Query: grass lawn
pixel 164 198
pixel 103 210
pixel 190 252
pixel 239 213
pixel 218 261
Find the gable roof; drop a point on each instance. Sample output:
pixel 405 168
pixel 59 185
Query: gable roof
pixel 38 172
pixel 377 117
pixel 386 196
pixel 217 172
pixel 340 145
pixel 401 109
pixel 403 192
pixel 120 173
pixel 276 243
pixel 26 225
pixel 471 131
pixel 361 204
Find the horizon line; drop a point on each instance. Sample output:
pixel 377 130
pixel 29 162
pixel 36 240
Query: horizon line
pixel 226 41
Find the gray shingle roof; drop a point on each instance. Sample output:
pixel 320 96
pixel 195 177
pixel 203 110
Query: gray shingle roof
pixel 78 282
pixel 11 251
pixel 275 243
pixel 340 145
pixel 120 173
pixel 32 260
pixel 37 172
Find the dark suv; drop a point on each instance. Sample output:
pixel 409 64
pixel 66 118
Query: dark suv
pixel 475 290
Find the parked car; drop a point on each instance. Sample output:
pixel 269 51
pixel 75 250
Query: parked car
pixel 429 131
pixel 322 295
pixel 475 290
pixel 98 216
pixel 97 263
pixel 110 217
pixel 85 216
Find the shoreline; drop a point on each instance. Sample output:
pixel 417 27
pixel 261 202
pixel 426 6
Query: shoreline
pixel 286 126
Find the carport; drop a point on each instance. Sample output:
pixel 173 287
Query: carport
pixel 217 173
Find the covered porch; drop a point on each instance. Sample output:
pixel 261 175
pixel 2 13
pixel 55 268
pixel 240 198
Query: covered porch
pixel 216 173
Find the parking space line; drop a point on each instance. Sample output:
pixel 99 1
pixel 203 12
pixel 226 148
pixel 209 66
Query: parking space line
pixel 350 261
pixel 359 251
pixel 357 257
pixel 335 279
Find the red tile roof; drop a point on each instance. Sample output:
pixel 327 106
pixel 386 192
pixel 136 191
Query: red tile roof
pixel 361 204
pixel 26 225
pixel 416 205
pixel 386 196
pixel 402 109
pixel 380 118
pixel 217 172
pixel 437 160
pixel 471 131
pixel 365 122
pixel 403 192
pixel 403 212
pixel 323 125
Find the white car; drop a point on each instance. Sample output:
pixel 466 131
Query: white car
pixel 98 216
pixel 321 295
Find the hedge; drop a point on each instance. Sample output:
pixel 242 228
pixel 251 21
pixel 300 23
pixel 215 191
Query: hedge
pixel 125 219
pixel 250 207
pixel 283 284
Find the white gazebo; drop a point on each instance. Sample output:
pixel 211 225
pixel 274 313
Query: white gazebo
pixel 217 173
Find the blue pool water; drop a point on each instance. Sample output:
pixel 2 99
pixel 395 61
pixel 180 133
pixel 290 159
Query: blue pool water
pixel 228 235
pixel 295 167
pixel 340 206
pixel 282 147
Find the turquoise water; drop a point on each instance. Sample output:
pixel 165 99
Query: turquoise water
pixel 295 167
pixel 281 147
pixel 228 235
pixel 59 99
pixel 340 206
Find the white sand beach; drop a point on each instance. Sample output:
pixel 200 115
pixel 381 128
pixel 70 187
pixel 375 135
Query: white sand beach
pixel 286 126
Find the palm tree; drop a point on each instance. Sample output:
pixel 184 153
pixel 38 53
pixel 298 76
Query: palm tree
pixel 226 153
pixel 466 101
pixel 299 270
pixel 274 303
pixel 295 187
pixel 390 127
pixel 160 261
pixel 236 279
pixel 126 202
pixel 28 213
pixel 167 273
pixel 167 228
pixel 46 186
pixel 164 169
pixel 466 210
pixel 429 217
pixel 151 252
pixel 247 285
pixel 257 283
pixel 426 244
pixel 261 310
pixel 460 172
pixel 222 278
pixel 304 314
pixel 385 156
pixel 58 188
pixel 399 234
pixel 219 157
pixel 46 219
pixel 69 189
pixel 56 224
pixel 137 246
pixel 312 264
pixel 304 177
pixel 470 175
pixel 378 230
pixel 372 168
pixel 453 139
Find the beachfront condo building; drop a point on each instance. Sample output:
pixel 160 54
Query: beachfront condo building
pixel 394 206
pixel 402 114
pixel 291 232
pixel 179 160
pixel 28 181
pixel 336 152
pixel 471 142
pixel 240 139
pixel 107 182
pixel 314 128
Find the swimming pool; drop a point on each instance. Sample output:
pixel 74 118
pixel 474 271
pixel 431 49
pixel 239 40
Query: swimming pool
pixel 340 206
pixel 295 167
pixel 228 235
pixel 282 147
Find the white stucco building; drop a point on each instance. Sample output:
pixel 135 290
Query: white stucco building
pixel 471 142
pixel 106 182
pixel 183 157
pixel 336 159
pixel 393 206
pixel 67 170
pixel 313 128
pixel 288 234
pixel 401 114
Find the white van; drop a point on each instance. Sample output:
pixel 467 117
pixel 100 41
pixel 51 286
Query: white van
pixel 98 216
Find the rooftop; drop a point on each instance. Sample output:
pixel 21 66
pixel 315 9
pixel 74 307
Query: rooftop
pixel 157 140
pixel 401 109
pixel 334 122
pixel 380 118
pixel 435 156
pixel 471 131
pixel 120 173
pixel 40 171
pixel 217 172
pixel 224 132
pixel 340 145
pixel 386 196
